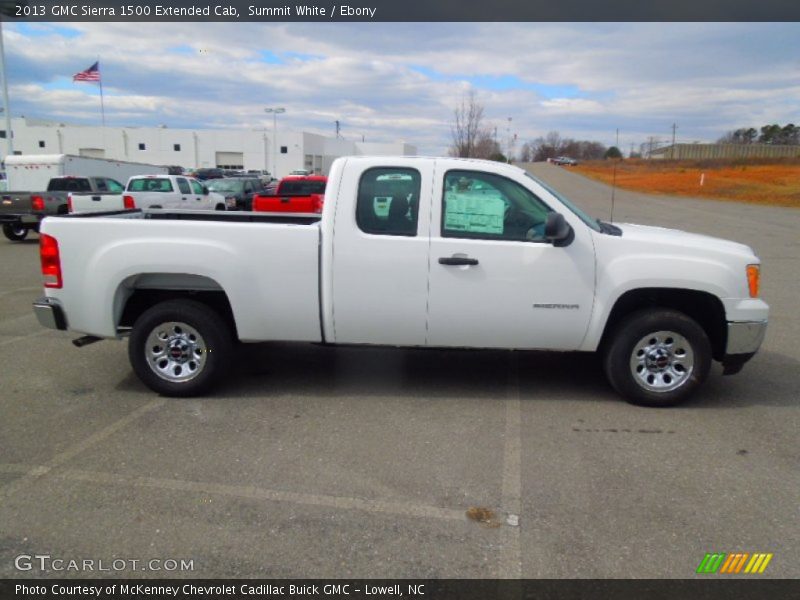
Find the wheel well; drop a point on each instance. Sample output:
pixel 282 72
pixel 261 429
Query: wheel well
pixel 706 309
pixel 142 299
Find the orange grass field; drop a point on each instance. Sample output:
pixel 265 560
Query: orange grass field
pixel 775 182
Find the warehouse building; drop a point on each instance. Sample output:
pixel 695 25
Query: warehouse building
pixel 194 148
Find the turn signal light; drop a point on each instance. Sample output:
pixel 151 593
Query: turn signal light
pixel 753 279
pixel 51 261
pixel 128 202
pixel 37 203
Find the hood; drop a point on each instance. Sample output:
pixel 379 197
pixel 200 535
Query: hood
pixel 675 237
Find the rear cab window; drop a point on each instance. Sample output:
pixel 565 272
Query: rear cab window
pixel 388 201
pixel 69 184
pixel 150 184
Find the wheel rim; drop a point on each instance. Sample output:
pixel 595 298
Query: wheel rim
pixel 662 361
pixel 175 351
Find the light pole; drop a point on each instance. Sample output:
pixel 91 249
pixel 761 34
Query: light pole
pixel 275 112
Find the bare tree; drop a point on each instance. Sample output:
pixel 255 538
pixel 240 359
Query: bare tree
pixel 468 130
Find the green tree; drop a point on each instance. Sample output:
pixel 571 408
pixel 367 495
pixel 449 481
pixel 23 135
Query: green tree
pixel 613 152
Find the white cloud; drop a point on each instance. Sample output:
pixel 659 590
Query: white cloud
pixel 391 81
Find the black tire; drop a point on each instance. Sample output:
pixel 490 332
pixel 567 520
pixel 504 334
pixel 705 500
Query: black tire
pixel 171 373
pixel 14 232
pixel 657 357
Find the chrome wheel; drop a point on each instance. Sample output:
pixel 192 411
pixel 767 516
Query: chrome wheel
pixel 662 361
pixel 175 351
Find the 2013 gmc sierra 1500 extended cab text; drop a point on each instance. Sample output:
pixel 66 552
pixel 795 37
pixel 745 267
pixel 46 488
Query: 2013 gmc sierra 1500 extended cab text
pixel 408 251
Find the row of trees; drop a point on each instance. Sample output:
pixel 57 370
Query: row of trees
pixel 472 138
pixel 788 135
pixel 553 145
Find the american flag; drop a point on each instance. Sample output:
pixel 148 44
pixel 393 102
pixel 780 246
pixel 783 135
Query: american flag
pixel 90 74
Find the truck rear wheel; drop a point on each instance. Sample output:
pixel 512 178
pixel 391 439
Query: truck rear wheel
pixel 180 348
pixel 15 232
pixel 657 357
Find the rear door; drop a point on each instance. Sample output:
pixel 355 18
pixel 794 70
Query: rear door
pixel 380 252
pixel 186 198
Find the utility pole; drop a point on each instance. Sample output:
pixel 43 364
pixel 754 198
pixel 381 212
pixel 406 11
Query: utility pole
pixel 338 129
pixel 674 127
pixel 508 150
pixel 6 109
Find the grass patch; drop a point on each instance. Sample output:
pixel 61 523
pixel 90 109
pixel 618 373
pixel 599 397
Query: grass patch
pixel 761 181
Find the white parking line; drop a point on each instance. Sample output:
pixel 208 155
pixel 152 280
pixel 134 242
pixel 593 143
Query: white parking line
pixel 400 508
pixel 19 338
pixel 511 553
pixel 62 457
pixel 19 290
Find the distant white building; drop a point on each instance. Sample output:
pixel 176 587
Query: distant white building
pixel 193 148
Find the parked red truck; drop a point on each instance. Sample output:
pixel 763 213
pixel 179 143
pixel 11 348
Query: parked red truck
pixel 296 194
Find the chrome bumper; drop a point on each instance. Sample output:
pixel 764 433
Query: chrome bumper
pixel 746 337
pixel 49 313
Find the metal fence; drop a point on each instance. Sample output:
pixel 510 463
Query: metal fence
pixel 710 151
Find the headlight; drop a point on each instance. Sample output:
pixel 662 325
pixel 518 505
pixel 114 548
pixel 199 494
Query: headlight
pixel 753 279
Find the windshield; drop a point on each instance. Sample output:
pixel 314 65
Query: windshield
pixel 568 203
pixel 225 185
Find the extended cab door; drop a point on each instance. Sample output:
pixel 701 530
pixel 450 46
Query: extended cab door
pixel 494 279
pixel 187 198
pixel 379 256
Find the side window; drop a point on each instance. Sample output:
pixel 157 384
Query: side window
pixel 388 201
pixel 101 185
pixel 183 186
pixel 114 186
pixel 196 187
pixel 486 206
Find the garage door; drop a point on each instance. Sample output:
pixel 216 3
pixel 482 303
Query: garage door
pixel 230 160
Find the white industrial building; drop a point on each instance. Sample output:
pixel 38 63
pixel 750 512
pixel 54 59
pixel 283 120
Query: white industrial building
pixel 193 148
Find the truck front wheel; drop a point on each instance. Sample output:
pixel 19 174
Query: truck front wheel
pixel 14 232
pixel 180 348
pixel 657 357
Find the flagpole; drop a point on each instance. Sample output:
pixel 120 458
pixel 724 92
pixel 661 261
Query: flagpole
pixel 102 103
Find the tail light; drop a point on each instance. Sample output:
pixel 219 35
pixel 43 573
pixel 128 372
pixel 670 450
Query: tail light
pixel 37 203
pixel 51 261
pixel 128 202
pixel 69 203
pixel 317 202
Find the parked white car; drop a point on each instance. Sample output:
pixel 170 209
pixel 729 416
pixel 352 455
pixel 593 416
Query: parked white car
pixel 172 191
pixel 408 251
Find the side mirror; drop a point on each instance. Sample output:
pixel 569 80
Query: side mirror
pixel 557 230
pixel 205 190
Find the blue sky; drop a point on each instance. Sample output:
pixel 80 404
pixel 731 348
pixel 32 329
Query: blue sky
pixel 394 81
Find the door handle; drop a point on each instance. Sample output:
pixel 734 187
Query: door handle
pixel 457 260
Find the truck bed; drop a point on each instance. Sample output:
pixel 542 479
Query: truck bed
pixel 205 215
pixel 267 266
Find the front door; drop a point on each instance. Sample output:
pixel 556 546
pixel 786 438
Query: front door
pixel 495 282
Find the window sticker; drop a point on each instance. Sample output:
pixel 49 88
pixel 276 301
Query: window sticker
pixel 474 213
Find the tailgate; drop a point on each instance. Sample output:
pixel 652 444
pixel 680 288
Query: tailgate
pixel 93 202
pixel 295 204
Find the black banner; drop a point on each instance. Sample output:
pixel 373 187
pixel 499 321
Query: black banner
pixel 393 10
pixel 381 589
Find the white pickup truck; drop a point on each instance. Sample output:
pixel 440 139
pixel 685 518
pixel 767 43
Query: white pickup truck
pixel 152 191
pixel 408 251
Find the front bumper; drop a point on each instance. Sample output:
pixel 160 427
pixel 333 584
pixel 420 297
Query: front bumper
pixel 50 314
pixel 744 340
